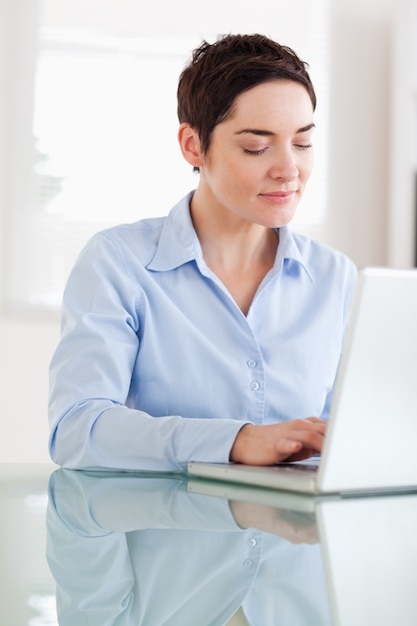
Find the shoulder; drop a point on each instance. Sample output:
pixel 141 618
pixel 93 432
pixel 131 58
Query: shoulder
pixel 139 241
pixel 322 260
pixel 332 275
pixel 138 238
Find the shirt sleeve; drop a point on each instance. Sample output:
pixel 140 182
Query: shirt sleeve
pixel 90 377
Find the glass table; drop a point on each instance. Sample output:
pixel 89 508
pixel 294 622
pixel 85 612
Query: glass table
pixel 102 548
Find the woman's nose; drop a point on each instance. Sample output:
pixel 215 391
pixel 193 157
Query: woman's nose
pixel 284 166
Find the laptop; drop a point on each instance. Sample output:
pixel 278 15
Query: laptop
pixel 370 441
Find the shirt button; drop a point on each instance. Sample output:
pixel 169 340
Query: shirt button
pixel 248 563
pixel 254 386
pixel 252 543
pixel 252 363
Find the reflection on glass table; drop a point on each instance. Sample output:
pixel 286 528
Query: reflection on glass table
pixel 164 550
pixel 27 588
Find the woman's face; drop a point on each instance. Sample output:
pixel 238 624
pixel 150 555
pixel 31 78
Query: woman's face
pixel 261 157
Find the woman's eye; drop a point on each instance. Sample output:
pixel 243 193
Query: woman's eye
pixel 303 146
pixel 255 152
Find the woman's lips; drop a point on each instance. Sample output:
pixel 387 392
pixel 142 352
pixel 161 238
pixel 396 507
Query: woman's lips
pixel 278 197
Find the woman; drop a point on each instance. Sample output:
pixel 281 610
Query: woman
pixel 212 334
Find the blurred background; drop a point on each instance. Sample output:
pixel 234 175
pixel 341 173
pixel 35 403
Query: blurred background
pixel 88 139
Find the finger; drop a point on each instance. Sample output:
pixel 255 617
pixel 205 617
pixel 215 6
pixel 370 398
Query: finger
pixel 309 423
pixel 287 447
pixel 302 455
pixel 309 440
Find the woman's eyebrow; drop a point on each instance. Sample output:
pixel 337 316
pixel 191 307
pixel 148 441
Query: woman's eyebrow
pixel 304 129
pixel 255 131
pixel 269 133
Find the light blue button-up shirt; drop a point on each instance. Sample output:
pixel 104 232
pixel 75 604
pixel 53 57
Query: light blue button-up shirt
pixel 157 364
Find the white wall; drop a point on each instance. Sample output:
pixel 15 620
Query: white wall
pixel 25 345
pixel 358 202
pixel 359 128
pixel 26 349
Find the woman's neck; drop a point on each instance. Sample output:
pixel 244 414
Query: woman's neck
pixel 239 252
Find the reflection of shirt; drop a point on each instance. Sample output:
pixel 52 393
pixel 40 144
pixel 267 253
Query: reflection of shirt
pixel 157 364
pixel 128 550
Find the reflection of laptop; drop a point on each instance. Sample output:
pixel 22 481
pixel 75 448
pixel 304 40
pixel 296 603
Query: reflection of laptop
pixel 344 526
pixel 370 556
pixel 370 441
pixel 285 500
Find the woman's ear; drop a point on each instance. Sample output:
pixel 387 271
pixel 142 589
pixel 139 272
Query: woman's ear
pixel 190 145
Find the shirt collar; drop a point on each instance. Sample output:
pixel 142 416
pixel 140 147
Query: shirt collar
pixel 179 244
pixel 291 250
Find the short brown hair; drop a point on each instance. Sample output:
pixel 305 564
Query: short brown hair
pixel 219 72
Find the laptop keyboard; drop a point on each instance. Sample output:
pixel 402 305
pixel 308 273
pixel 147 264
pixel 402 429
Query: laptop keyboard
pixel 298 467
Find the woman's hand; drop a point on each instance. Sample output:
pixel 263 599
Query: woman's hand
pixel 259 444
pixel 294 526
